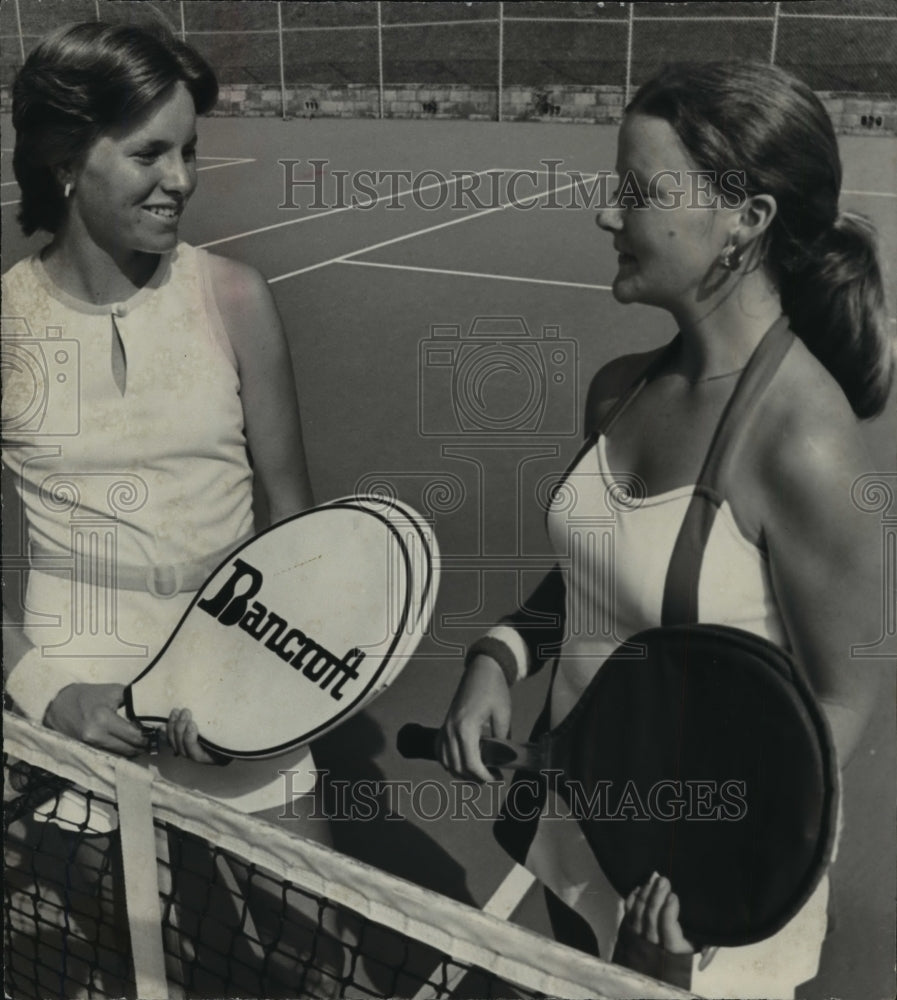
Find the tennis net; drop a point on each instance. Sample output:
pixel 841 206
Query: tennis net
pixel 122 884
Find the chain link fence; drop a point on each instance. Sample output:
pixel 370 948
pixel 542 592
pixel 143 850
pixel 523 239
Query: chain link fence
pixel 489 59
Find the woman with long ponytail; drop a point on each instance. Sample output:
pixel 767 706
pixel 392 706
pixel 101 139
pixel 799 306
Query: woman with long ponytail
pixel 727 217
pixel 824 261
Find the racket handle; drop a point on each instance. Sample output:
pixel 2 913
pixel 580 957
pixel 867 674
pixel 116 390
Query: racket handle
pixel 419 743
pixel 416 742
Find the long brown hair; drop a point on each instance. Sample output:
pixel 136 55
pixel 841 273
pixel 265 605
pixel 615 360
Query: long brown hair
pixel 769 126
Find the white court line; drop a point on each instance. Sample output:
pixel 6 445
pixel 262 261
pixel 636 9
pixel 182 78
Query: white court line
pixel 418 232
pixel 231 162
pixel 7 183
pixel 504 901
pixel 333 211
pixel 475 274
pixel 873 194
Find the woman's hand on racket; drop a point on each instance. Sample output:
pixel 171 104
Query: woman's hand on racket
pixel 89 712
pixel 652 912
pixel 482 701
pixel 183 737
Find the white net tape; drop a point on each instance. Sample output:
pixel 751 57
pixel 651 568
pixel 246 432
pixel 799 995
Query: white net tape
pixel 467 936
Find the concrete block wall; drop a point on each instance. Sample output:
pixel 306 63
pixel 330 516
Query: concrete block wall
pixel 361 101
pixel 568 103
pixel 852 114
pixel 861 114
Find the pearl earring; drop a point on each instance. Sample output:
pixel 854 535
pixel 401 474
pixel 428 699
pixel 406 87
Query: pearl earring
pixel 730 257
pixel 67 190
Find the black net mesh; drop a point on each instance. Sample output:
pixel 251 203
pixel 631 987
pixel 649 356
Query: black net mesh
pixel 229 927
pixel 65 927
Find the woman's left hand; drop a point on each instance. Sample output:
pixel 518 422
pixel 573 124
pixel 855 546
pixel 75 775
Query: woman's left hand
pixel 652 912
pixel 183 737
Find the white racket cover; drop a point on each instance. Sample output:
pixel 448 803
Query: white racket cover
pixel 297 630
pixel 420 544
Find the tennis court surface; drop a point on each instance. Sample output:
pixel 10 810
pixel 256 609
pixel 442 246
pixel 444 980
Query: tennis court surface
pixel 383 305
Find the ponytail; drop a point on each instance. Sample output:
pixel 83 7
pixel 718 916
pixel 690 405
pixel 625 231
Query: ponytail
pixel 835 301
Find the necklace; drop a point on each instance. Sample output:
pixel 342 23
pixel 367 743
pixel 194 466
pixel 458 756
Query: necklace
pixel 713 378
pixel 707 378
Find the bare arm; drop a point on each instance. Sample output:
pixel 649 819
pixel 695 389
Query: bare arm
pixel 270 416
pixel 483 699
pixel 267 386
pixel 826 565
pixel 88 712
pixel 15 644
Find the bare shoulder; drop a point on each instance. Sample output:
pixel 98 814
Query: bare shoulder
pixel 235 284
pixel 612 380
pixel 246 305
pixel 806 449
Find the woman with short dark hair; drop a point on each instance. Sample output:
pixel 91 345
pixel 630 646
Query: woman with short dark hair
pixel 140 373
pixel 183 367
pixel 81 81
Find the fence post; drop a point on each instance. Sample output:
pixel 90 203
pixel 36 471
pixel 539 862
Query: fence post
pixel 183 23
pixel 283 86
pixel 501 56
pixel 19 26
pixel 629 54
pixel 775 33
pixel 380 58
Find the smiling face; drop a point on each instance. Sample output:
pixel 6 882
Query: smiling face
pixel 667 237
pixel 133 184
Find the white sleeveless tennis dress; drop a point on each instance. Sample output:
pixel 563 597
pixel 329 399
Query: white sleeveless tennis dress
pixel 618 545
pixel 617 576
pixel 134 488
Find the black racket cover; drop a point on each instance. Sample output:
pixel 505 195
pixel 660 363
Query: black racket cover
pixel 707 706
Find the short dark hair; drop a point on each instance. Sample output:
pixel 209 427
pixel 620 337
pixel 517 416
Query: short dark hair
pixel 769 126
pixel 80 81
